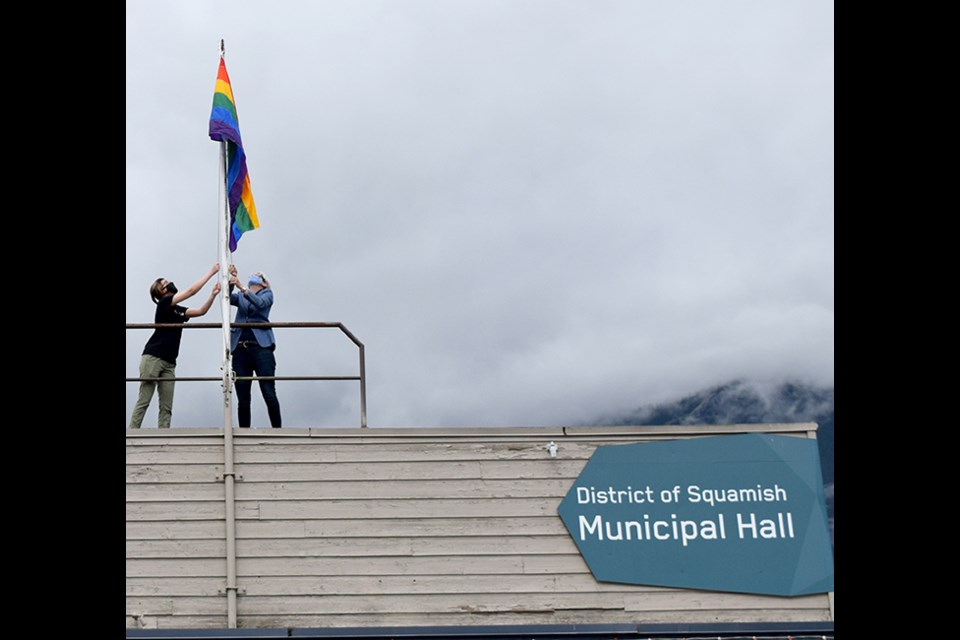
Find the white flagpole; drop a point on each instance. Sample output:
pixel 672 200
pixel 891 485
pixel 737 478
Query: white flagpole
pixel 228 469
pixel 225 287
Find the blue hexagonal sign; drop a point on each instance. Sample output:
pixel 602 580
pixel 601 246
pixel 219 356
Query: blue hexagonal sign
pixel 742 513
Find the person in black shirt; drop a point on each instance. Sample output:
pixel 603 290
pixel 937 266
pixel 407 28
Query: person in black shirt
pixel 159 359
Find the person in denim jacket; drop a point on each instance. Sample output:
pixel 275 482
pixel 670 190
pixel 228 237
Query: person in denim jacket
pixel 253 347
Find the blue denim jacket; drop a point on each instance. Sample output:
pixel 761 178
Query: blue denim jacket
pixel 252 307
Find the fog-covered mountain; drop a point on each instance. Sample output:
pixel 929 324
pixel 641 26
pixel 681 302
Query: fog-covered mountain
pixel 745 402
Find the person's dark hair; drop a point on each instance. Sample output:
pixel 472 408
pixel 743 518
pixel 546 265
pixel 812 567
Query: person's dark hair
pixel 156 290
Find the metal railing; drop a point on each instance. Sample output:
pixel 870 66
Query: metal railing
pixel 362 378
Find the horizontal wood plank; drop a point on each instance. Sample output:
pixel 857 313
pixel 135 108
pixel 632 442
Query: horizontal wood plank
pixel 475 489
pixel 354 528
pixel 549 524
pixel 399 565
pixel 170 511
pixel 431 584
pixel 464 547
pixel 367 585
pixel 380 452
pixel 412 508
pixel 437 603
pixel 149 568
pixel 691 600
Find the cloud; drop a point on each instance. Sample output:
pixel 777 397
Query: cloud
pixel 529 212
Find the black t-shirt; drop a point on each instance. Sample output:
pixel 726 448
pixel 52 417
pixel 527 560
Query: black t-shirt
pixel 165 342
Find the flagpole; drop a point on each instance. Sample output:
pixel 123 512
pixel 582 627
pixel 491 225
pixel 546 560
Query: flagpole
pixel 224 227
pixel 224 230
pixel 228 467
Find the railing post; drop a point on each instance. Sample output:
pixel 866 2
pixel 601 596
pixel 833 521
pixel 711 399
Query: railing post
pixel 363 390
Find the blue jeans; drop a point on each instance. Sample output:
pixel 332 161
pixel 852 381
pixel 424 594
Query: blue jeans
pixel 250 358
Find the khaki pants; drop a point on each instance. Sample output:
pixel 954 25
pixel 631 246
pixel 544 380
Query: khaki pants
pixel 154 367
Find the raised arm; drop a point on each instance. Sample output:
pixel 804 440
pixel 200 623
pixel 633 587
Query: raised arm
pixel 202 309
pixel 193 289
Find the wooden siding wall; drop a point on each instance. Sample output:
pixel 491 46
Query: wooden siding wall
pixel 390 527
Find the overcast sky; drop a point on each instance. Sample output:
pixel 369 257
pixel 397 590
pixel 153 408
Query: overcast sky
pixel 531 212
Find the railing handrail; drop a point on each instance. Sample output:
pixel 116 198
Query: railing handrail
pixel 362 378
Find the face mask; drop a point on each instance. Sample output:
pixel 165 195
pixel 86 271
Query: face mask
pixel 171 288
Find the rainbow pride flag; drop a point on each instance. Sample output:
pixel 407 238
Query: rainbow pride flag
pixel 225 127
